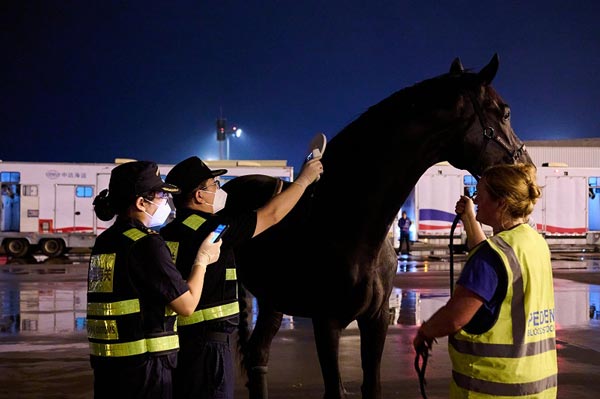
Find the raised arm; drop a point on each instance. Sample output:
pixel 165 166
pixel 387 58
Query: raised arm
pixel 281 204
pixel 466 209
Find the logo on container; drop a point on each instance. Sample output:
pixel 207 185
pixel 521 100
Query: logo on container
pixel 53 174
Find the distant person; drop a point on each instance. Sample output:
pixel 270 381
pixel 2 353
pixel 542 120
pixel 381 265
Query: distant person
pixel 135 290
pixel 4 208
pixel 404 224
pixel 9 217
pixel 500 319
pixel 205 365
pixel 6 191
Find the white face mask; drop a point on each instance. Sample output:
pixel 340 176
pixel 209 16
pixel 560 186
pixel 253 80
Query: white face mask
pixel 219 200
pixel 160 216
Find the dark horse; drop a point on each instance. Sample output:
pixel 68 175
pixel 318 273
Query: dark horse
pixel 329 259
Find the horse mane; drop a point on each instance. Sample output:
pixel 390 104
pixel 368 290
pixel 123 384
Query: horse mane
pixel 428 94
pixel 418 103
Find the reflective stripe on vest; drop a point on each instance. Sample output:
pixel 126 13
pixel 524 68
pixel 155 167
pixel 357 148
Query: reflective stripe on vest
pixel 230 274
pixel 512 358
pixel 544 388
pixel 113 308
pixel 134 234
pixel 174 249
pixel 216 312
pixel 158 344
pixel 106 330
pixel 194 222
pixel 169 311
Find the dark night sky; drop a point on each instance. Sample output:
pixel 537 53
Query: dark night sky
pixel 89 81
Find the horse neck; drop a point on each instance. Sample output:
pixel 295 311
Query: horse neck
pixel 366 182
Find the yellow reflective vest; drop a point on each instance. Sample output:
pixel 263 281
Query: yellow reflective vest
pixel 114 319
pixel 516 357
pixel 219 295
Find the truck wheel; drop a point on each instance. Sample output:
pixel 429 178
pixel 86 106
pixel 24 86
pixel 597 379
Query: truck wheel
pixel 16 247
pixel 52 247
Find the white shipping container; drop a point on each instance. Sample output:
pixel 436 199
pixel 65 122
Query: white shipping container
pixel 49 205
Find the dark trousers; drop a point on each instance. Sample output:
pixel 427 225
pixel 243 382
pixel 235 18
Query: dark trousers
pixel 149 380
pixel 205 368
pixel 405 237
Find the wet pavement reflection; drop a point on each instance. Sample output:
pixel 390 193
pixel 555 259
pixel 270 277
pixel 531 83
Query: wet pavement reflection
pixel 48 296
pixel 43 304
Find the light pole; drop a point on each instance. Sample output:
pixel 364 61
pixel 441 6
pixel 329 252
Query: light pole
pixel 235 132
pixel 223 136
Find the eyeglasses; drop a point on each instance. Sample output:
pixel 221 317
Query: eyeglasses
pixel 154 203
pixel 215 183
pixel 162 194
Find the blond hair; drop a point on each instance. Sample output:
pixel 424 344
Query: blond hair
pixel 516 185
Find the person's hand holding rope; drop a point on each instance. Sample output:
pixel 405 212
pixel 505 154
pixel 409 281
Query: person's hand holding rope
pixel 423 346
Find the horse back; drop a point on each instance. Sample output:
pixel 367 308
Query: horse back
pixel 250 192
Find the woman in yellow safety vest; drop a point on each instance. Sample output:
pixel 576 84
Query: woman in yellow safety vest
pixel 135 290
pixel 500 318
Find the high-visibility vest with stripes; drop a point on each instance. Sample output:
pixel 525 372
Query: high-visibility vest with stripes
pixel 114 318
pixel 220 292
pixel 516 357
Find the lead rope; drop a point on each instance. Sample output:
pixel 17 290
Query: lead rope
pixel 423 353
pixel 451 246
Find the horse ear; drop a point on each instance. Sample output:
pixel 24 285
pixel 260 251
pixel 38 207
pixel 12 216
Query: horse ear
pixel 456 68
pixel 488 72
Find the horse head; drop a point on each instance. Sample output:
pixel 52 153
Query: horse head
pixel 489 138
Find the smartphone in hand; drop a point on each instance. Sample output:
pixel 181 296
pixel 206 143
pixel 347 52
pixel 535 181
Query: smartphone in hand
pixel 219 231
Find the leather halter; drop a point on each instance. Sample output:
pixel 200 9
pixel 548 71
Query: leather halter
pixel 489 134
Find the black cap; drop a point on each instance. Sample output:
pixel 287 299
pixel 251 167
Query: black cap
pixel 132 179
pixel 189 173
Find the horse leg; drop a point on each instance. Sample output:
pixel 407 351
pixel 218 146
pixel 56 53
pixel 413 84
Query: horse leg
pixel 373 331
pixel 327 337
pixel 256 356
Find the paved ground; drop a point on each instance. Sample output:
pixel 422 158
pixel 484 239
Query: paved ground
pixel 56 365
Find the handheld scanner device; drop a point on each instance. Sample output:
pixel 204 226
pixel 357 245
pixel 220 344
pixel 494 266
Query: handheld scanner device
pixel 316 147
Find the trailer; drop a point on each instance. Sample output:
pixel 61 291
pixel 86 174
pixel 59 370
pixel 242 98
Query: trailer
pixel 48 206
pixel 569 210
pixel 567 213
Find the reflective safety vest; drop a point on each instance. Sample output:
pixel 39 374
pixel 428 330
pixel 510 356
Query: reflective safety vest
pixel 516 357
pixel 219 297
pixel 114 319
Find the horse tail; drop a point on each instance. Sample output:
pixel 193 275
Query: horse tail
pixel 243 340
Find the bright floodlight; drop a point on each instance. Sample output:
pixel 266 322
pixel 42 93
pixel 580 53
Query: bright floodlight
pixel 238 132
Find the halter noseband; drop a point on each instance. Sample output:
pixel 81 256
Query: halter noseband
pixel 489 134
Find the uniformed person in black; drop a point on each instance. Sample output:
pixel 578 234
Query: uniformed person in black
pixel 134 288
pixel 205 364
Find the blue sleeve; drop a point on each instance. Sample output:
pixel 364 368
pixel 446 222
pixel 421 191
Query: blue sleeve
pixel 479 273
